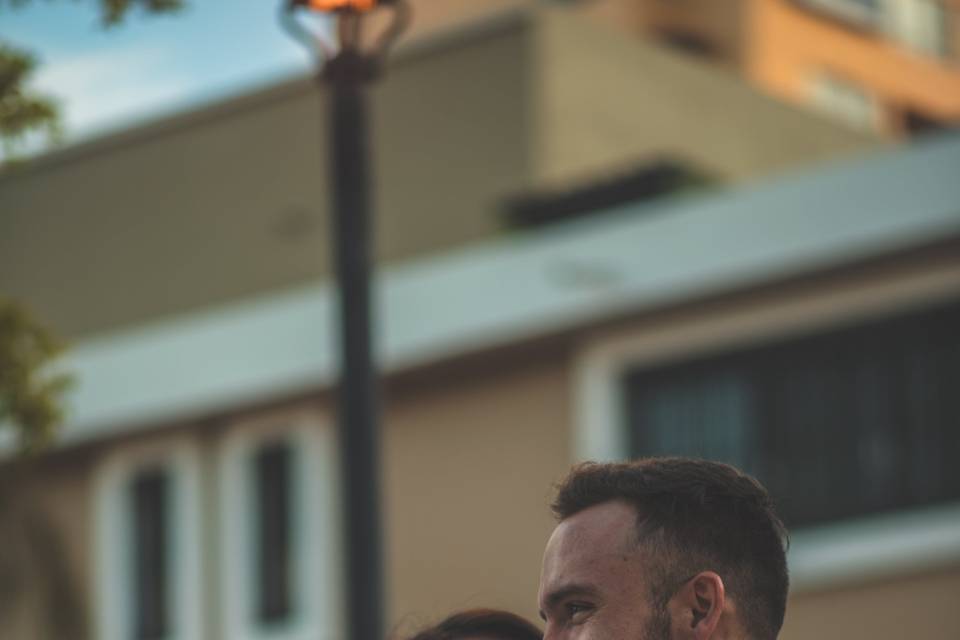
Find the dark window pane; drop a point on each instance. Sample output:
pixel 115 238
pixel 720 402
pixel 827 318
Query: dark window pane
pixel 837 425
pixel 708 415
pixel 150 509
pixel 273 527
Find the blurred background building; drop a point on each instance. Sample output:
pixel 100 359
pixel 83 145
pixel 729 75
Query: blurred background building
pixel 888 66
pixel 606 229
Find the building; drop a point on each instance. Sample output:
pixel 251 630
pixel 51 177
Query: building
pixel 891 66
pixel 236 200
pixel 886 65
pixel 203 405
pixel 607 337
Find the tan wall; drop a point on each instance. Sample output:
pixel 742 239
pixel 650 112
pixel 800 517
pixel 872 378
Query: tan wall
pixel 232 201
pixel 788 45
pixel 470 462
pixel 468 465
pixel 430 17
pixel 720 23
pixel 628 15
pixel 607 100
pixel 45 525
pixel 910 607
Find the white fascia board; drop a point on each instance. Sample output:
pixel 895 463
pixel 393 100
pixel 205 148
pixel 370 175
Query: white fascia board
pixel 874 547
pixel 521 287
pixel 234 356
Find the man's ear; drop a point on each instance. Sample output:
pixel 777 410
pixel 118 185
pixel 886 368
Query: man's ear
pixel 697 607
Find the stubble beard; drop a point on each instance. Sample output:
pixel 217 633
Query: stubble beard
pixel 658 626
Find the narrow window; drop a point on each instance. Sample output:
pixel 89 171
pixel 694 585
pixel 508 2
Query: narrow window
pixel 273 589
pixel 150 511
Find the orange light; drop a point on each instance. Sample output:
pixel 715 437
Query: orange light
pixel 342 5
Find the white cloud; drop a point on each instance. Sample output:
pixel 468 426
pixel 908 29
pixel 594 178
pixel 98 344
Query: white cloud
pixel 110 88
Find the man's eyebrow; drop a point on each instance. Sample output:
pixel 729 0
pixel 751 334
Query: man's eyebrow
pixel 560 594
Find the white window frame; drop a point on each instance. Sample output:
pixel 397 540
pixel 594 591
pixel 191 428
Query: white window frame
pixel 920 25
pixel 314 550
pixel 842 98
pixel 819 556
pixel 111 538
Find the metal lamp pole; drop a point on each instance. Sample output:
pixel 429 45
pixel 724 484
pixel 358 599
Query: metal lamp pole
pixel 347 72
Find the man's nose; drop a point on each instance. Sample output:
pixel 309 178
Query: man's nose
pixel 552 632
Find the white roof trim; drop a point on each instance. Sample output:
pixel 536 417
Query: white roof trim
pixel 874 547
pixel 520 287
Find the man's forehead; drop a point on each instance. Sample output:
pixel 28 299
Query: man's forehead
pixel 612 523
pixel 589 536
pixel 593 548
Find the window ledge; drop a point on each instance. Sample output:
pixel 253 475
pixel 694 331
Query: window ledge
pixel 882 546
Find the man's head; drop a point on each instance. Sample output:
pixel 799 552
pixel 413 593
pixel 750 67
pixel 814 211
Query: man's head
pixel 663 549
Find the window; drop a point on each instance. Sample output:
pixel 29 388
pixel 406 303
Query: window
pixel 860 12
pixel 917 123
pixel 657 178
pixel 150 547
pixel 921 25
pixel 845 100
pixel 147 544
pixel 276 547
pixel 837 425
pixel 687 41
pixel 880 429
pixel 272 469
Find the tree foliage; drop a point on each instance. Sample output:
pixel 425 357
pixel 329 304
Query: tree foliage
pixel 114 11
pixel 31 395
pixel 23 111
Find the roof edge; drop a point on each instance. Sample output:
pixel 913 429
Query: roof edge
pixel 255 96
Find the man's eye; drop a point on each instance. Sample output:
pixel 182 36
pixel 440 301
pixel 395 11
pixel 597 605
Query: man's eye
pixel 577 611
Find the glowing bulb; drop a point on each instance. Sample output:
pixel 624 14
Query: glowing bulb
pixel 342 5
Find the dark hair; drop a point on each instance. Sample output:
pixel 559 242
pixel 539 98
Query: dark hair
pixel 692 516
pixel 487 623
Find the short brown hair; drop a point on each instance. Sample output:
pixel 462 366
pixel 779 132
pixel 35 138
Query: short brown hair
pixel 486 623
pixel 696 515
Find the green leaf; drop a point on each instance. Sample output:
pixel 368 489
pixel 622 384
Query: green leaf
pixel 31 393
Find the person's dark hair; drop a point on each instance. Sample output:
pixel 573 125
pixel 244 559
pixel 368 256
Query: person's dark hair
pixel 692 516
pixel 482 623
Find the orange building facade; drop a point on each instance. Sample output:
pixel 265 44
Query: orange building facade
pixel 887 65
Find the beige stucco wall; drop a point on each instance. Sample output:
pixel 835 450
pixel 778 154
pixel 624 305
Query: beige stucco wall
pixel 721 24
pixel 45 525
pixel 430 17
pixel 470 461
pixel 915 606
pixel 606 100
pixel 232 201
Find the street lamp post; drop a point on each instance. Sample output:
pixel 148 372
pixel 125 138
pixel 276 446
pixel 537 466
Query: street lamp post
pixel 347 71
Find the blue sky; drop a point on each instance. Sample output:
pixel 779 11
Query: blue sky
pixel 149 66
